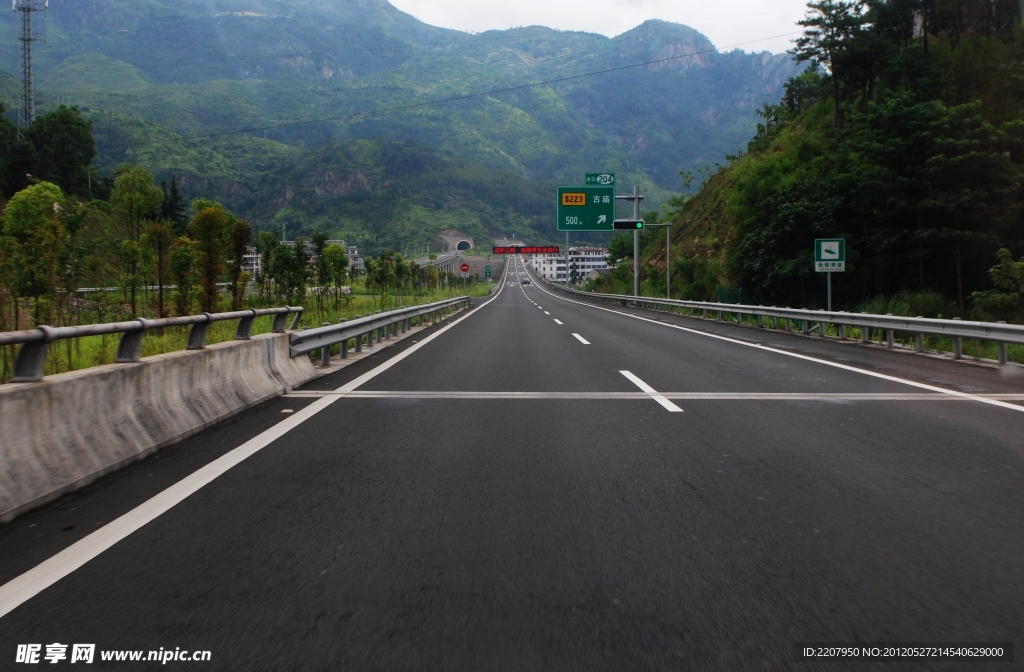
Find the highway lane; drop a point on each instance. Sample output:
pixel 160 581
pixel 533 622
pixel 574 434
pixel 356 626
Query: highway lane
pixel 439 525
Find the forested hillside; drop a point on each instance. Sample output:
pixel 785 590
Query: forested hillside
pixel 907 142
pixel 152 74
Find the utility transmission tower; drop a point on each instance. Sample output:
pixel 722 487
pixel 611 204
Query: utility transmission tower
pixel 27 37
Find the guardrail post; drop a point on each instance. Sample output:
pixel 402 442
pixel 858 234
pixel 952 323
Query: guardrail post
pixel 295 320
pixel 865 335
pixel 890 338
pixel 1003 358
pixel 280 320
pixel 359 338
pixel 325 352
pixel 344 344
pixel 806 326
pixel 842 332
pixel 130 348
pixel 197 334
pixel 30 362
pixel 958 345
pixel 244 331
pixel 760 321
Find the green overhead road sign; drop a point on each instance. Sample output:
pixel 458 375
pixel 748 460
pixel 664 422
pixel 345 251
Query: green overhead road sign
pixel 586 208
pixel 830 255
pixel 600 180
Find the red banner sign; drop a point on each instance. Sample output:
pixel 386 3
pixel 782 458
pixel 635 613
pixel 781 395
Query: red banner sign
pixel 527 249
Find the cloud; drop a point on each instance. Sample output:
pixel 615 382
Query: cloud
pixel 753 25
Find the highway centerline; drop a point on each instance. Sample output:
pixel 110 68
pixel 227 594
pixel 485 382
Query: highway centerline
pixel 653 393
pixel 581 339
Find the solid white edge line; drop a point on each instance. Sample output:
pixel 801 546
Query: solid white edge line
pixel 882 376
pixel 581 339
pixel 17 591
pixel 666 404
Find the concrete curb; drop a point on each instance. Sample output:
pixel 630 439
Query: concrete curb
pixel 70 429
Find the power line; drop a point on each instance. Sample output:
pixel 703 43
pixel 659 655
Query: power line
pixel 468 96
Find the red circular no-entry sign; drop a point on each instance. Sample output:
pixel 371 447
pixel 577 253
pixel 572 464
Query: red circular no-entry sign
pixel 465 268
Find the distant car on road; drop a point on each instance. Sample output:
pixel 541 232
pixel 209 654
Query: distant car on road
pixel 526 281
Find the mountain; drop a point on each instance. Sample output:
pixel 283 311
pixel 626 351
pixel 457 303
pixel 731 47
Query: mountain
pixel 152 73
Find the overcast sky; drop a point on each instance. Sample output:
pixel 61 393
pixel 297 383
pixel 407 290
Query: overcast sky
pixel 728 23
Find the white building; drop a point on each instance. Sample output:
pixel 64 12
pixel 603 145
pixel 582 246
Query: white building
pixel 583 260
pixel 253 262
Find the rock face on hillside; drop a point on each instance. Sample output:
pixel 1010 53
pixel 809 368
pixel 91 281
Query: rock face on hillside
pixel 153 73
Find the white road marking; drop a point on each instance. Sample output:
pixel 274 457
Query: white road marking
pixel 758 346
pixel 652 393
pixel 26 586
pixel 686 396
pixel 546 312
pixel 557 321
pixel 581 339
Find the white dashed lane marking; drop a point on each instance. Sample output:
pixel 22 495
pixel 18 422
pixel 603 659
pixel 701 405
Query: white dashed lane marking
pixel 581 339
pixel 557 321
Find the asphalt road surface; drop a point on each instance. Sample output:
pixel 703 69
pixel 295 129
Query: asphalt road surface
pixel 544 484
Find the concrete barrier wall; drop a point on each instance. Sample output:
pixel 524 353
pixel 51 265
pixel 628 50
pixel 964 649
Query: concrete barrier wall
pixel 66 431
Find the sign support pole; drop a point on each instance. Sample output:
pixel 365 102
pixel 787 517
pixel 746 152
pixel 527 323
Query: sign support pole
pixel 668 261
pixel 566 258
pixel 829 292
pixel 636 242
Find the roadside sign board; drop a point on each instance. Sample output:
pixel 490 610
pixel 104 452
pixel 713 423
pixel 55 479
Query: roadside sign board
pixel 830 255
pixel 586 208
pixel 600 180
pixel 487 271
pixel 465 274
pixel 464 268
pixel 527 249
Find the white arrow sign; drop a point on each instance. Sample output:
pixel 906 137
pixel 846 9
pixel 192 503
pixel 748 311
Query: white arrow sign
pixel 602 219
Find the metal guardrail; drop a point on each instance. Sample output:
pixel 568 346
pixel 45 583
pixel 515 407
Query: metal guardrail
pixel 810 321
pixel 379 326
pixel 31 357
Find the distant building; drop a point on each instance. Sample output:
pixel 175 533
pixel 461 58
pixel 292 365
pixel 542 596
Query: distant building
pixel 252 262
pixel 583 260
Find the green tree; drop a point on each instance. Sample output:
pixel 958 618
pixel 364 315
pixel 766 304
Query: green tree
pixel 135 198
pixel 336 258
pixel 64 148
pixel 210 229
pixel 300 271
pixel 240 237
pixel 321 271
pixel 17 158
pixel 620 248
pixel 183 268
pixel 160 240
pixel 831 27
pixel 172 210
pixel 33 222
pixel 1006 301
pixel 266 243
